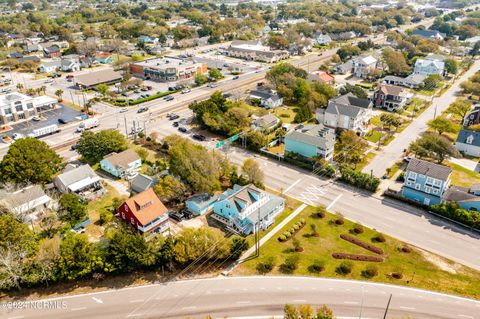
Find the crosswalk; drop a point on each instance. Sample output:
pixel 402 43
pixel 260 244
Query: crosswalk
pixel 312 194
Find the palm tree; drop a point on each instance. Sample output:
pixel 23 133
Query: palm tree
pixel 59 94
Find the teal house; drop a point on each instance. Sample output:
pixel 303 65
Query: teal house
pixel 466 198
pixel 244 208
pixel 104 58
pixel 200 204
pixel 425 182
pixel 311 141
pixel 122 165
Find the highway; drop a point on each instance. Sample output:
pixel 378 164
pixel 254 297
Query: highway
pixel 251 296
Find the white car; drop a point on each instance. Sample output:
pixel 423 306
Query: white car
pixel 35 118
pixel 48 81
pixel 17 136
pixel 186 91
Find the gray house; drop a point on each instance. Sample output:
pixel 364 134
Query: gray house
pixel 266 122
pixel 141 183
pixel 468 142
pixel 268 98
pixel 311 141
pixel 81 180
pixel 346 112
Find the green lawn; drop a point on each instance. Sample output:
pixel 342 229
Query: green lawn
pixel 426 273
pixel 365 160
pixel 462 176
pixel 285 113
pixel 373 136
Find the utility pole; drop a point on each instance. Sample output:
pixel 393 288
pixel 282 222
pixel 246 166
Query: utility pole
pixel 126 131
pixel 388 305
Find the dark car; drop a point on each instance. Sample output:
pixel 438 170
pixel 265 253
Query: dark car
pixel 182 129
pixel 142 109
pixel 136 91
pixel 236 77
pixel 174 117
pixel 175 124
pixel 172 88
pixel 178 216
pixel 199 137
pixel 144 89
pixel 168 98
pixel 63 121
pixel 74 147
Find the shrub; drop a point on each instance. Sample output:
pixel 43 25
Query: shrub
pixel 296 245
pixel 266 266
pixel 320 212
pixel 290 264
pixel 357 257
pixel 396 275
pixel 291 230
pixel 370 271
pixel 344 268
pixel 317 266
pixel 339 219
pixel 358 228
pixel 359 179
pixel 296 227
pixel 313 227
pixel 282 238
pixel 406 249
pixel 379 238
pixel 358 242
pixel 287 234
pixel 302 221
pixel 105 217
pixel 453 211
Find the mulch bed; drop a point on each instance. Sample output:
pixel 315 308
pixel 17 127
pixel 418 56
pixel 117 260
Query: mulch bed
pixel 357 257
pixel 358 242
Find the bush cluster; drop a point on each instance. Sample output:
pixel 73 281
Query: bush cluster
pixel 379 238
pixel 453 211
pixel 344 268
pixel 359 179
pixel 266 266
pixel 370 271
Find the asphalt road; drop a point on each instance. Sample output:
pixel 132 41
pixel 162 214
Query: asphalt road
pixel 252 296
pixel 392 152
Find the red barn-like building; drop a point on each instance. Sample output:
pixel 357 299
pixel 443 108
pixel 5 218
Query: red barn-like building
pixel 145 212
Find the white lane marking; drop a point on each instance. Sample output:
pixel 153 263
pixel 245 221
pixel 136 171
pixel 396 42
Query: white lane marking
pixel 189 308
pixel 466 316
pixel 17 317
pixel 334 201
pixel 291 186
pixel 98 300
pixel 299 301
pixel 406 308
pixel 243 302
pixel 351 302
pixel 78 309
pixel 136 300
pixel 135 315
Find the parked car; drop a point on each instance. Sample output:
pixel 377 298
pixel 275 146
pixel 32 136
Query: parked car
pixel 172 88
pixel 63 121
pixel 74 147
pixel 184 91
pixel 175 124
pixel 144 89
pixel 212 85
pixel 174 117
pixel 168 98
pixel 178 216
pixel 123 110
pixel 142 109
pixel 48 81
pixel 183 129
pixel 199 137
pixel 136 91
pixel 236 77
pixel 17 136
pixel 35 118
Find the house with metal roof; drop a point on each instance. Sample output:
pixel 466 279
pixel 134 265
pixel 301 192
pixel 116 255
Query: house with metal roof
pixel 425 182
pixel 50 67
pixel 311 141
pixel 125 164
pixel 200 204
pixel 468 142
pixel 243 209
pixel 346 112
pixel 81 180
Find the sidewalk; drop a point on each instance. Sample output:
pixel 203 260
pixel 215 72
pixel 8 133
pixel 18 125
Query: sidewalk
pixel 265 238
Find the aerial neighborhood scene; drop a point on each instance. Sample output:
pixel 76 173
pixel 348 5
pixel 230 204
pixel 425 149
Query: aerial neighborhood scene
pixel 240 159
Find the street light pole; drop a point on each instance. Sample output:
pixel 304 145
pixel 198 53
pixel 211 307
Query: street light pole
pixel 361 304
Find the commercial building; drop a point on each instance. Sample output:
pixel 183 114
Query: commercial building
pixel 254 50
pixel 92 79
pixel 15 107
pixel 168 69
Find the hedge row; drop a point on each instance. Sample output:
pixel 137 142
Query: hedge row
pixel 357 257
pixel 453 211
pixel 123 102
pixel 292 231
pixel 359 179
pixel 358 242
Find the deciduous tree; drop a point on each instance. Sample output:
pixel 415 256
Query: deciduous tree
pixel 94 146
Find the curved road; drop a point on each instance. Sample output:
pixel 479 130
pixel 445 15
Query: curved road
pixel 248 297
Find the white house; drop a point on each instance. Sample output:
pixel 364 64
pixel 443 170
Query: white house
pixel 50 67
pixel 269 98
pixel 432 64
pixel 468 142
pixel 362 66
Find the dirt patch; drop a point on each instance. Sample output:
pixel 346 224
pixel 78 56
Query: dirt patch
pixel 440 262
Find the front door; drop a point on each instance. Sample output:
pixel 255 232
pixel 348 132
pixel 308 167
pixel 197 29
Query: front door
pixel 426 201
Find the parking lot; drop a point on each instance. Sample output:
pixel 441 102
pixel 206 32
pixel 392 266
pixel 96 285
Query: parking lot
pixel 47 118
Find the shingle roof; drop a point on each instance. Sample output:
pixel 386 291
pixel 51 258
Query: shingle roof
pixel 391 89
pixel 98 77
pixel 146 206
pixel 428 33
pixel 23 196
pixel 429 169
pixel 348 105
pixel 121 160
pixel 142 182
pixel 352 100
pixel 464 134
pixel 458 194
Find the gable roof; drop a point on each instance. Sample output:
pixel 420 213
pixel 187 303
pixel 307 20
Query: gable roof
pixel 350 101
pixel 75 174
pixel 429 169
pixel 428 33
pixel 391 89
pixel 21 198
pixel 459 194
pixel 120 161
pixel 142 182
pixel 427 62
pixel 146 206
pixel 266 120
pixel 464 134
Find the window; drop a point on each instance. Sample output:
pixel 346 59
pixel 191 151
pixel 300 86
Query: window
pixel 18 106
pixel 7 111
pixel 428 189
pixel 132 220
pixel 469 139
pixel 30 105
pixel 123 215
pixel 429 180
pixel 437 182
pixel 417 186
pixel 435 191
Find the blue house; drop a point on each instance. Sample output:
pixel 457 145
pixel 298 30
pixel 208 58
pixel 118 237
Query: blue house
pixel 200 204
pixel 125 164
pixel 466 198
pixel 425 182
pixel 311 141
pixel 243 208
